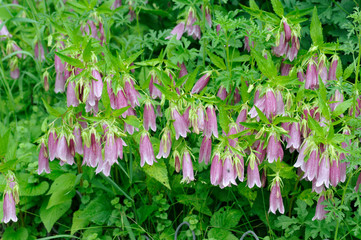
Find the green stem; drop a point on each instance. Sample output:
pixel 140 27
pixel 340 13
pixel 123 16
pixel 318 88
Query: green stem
pixel 342 200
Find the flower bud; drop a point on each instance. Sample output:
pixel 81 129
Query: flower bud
pixel 211 126
pixel 201 84
pixel 43 164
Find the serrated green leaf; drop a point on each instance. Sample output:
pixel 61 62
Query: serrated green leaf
pixel 72 61
pixel 217 233
pixel 219 62
pixel 348 71
pixel 167 93
pixel 226 218
pixel 266 66
pixel 159 172
pixel 322 99
pixel 134 56
pixel 342 107
pixel 98 210
pixel 164 78
pixel 87 51
pixel 315 126
pixel 60 197
pixel 223 119
pixel 316 29
pixel 253 5
pixel 262 15
pixel 277 7
pixel 282 119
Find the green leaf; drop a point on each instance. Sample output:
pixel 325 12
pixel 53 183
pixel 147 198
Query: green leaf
pixel 262 15
pixel 283 120
pixel 72 61
pixel 190 80
pixel 285 222
pixel 253 5
pixel 119 112
pixel 315 126
pixel 79 221
pixel 159 172
pixel 266 66
pixel 262 116
pixel 64 182
pixel 223 119
pixel 226 218
pixel 19 234
pixel 348 71
pixel 4 142
pixel 277 7
pixel 60 197
pixel 217 60
pixel 167 93
pixel 87 51
pixel 198 201
pixel 133 121
pixel 51 110
pixel 37 189
pixel 98 210
pixel 50 216
pixel 217 233
pixel 322 98
pixel 134 56
pixel 342 107
pixel 316 29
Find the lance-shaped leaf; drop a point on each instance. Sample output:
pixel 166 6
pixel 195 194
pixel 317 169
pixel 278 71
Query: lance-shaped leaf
pixel 72 61
pixel 277 7
pixel 316 29
pixel 217 60
pixel 266 66
pixel 322 98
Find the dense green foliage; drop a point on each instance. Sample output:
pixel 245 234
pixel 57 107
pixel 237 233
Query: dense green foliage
pixel 133 42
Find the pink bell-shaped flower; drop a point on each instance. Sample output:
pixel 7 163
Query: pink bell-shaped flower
pixel 201 83
pixel 97 84
pixel 149 117
pixel 153 90
pixel 275 199
pixel 211 126
pixel 216 169
pixel 43 164
pixel 311 169
pixel 253 177
pixel 177 30
pixel 222 93
pixel 281 48
pixel 295 136
pixel 333 68
pixel 274 149
pixel 187 167
pixel 78 140
pixel 165 144
pixel 9 209
pixel 320 209
pixel 180 125
pixel 146 150
pixel 71 98
pixel 205 150
pixel 52 145
pixel 311 76
pixel 131 93
pixel 323 176
pixel 229 174
pixel 287 29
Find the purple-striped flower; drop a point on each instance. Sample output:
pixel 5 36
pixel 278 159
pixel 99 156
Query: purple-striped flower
pixel 222 93
pixel 146 150
pixel 165 145
pixel 275 199
pixel 39 52
pixel 274 149
pixel 187 167
pixel 320 209
pixel 239 166
pixel 149 117
pixel 153 90
pixel 229 173
pixel 201 83
pixel 311 169
pixel 78 140
pixel 4 31
pixel 333 67
pixel 216 169
pixel 180 125
pixel 110 150
pixel 9 209
pixel 71 98
pixel 323 176
pixel 43 163
pixel 177 30
pixel 287 29
pixel 294 140
pixel 211 126
pixel 311 76
pixel 205 150
pixel 97 84
pixel 253 177
pixel 131 93
pixel 281 48
pixel 52 145
pixel 120 144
